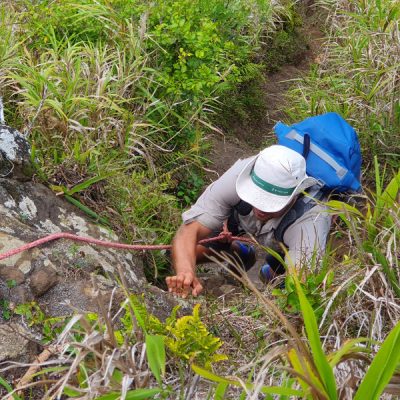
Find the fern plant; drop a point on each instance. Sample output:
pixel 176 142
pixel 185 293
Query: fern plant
pixel 186 338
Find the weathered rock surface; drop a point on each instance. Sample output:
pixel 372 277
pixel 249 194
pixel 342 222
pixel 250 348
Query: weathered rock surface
pixel 30 211
pixel 61 276
pixel 14 341
pixel 15 160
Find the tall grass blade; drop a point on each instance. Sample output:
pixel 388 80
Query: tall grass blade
pixel 304 369
pixel 323 368
pixel 386 199
pixel 9 389
pixel 155 352
pixel 86 184
pixel 138 394
pixel 382 367
pixel 220 391
pixel 265 389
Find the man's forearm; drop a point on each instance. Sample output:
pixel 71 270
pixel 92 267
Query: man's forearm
pixel 184 246
pixel 184 250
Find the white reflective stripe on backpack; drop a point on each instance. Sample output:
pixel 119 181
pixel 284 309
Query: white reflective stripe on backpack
pixel 340 171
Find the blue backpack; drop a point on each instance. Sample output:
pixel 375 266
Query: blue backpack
pixel 331 148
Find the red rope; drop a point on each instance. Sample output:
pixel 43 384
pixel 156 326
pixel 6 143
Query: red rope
pixel 135 247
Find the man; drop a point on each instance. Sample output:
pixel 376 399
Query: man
pixel 270 184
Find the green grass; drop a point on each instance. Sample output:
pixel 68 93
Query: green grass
pixel 356 76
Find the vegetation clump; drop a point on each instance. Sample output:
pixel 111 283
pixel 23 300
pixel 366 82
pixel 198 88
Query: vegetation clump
pixel 115 97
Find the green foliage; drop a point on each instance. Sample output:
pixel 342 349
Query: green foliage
pixel 5 309
pixel 155 350
pixel 196 55
pixel 264 389
pixel 326 376
pixel 375 230
pixel 49 327
pixel 115 96
pixel 189 339
pixel 9 388
pixel 319 367
pixel 189 188
pixel 382 367
pixel 137 394
pixel 83 21
pixel 185 338
pixel 314 286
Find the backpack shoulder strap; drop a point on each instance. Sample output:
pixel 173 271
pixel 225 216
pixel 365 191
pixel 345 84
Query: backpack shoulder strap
pixel 243 208
pixel 300 207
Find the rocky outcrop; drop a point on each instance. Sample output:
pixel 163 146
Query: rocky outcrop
pixel 61 276
pixel 29 211
pixel 15 160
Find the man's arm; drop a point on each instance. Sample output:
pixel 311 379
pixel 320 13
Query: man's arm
pixel 308 235
pixel 184 257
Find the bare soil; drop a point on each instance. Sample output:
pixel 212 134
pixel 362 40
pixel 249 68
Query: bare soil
pixel 247 138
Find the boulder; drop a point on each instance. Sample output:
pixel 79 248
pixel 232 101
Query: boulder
pixel 15 155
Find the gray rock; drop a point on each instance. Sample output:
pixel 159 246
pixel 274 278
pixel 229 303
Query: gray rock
pixel 42 280
pixel 14 341
pixel 30 211
pixel 15 155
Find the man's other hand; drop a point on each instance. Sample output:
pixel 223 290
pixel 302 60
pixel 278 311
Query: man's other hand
pixel 183 284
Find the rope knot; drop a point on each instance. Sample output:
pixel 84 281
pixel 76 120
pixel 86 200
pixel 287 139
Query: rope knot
pixel 225 235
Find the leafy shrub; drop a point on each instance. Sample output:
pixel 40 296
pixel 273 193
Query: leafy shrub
pixel 194 56
pixel 186 338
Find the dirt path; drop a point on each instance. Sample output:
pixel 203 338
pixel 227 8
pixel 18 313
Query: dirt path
pixel 245 140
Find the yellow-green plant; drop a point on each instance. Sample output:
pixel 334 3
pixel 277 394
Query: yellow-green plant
pixel 186 338
pixel 189 339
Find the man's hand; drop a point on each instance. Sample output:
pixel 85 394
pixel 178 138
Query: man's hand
pixel 184 283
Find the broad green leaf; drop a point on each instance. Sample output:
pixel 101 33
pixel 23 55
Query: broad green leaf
pixel 137 394
pixel 110 396
pixel 84 185
pixel 139 310
pixel 382 367
pixel 321 363
pixel 142 394
pixel 388 197
pixel 340 206
pixel 349 347
pixel 71 392
pixel 155 351
pixel 299 366
pixel 265 389
pixel 220 391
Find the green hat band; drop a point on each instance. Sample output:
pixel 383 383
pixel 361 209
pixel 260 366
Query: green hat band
pixel 269 187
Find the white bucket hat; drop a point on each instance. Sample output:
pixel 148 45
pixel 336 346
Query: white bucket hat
pixel 273 178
